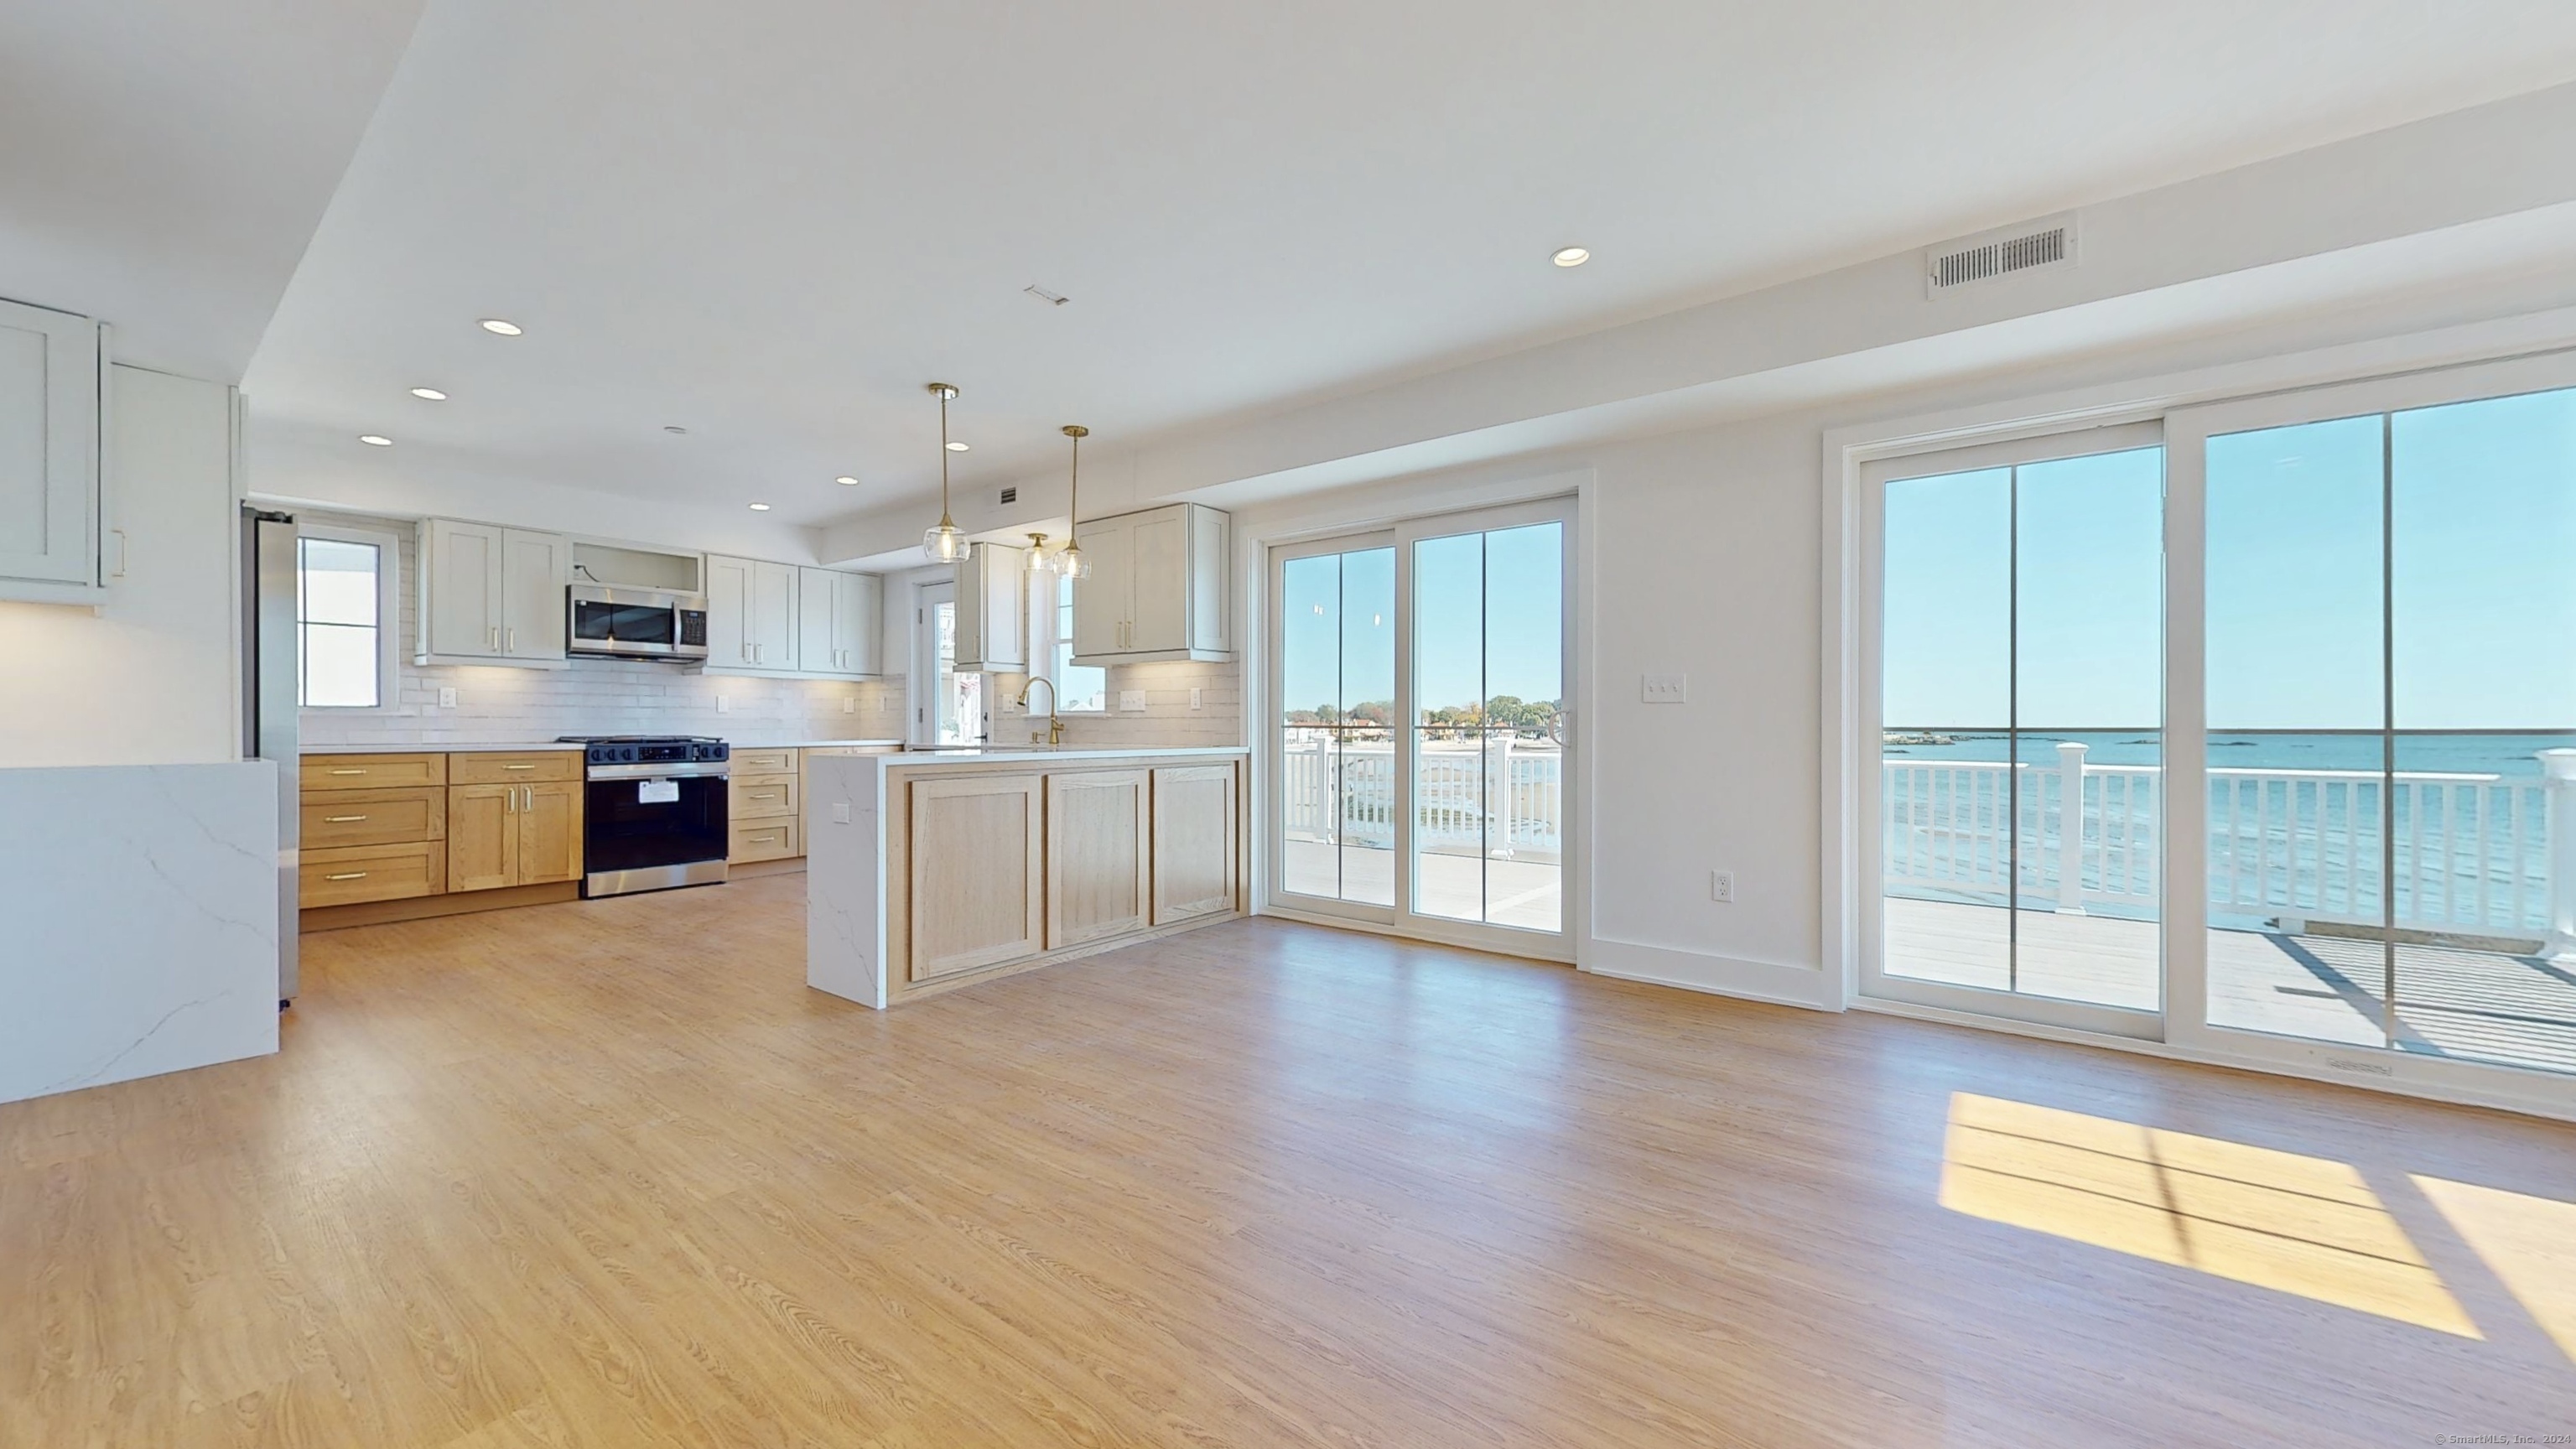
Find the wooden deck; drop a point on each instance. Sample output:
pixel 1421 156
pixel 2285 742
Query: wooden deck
pixel 608 1173
pixel 2478 1005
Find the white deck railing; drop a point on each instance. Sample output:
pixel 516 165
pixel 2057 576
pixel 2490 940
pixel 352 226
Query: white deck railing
pixel 2473 853
pixel 1505 798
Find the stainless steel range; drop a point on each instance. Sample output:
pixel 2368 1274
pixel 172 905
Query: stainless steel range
pixel 653 812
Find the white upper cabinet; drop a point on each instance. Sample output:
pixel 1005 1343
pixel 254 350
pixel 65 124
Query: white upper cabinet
pixel 993 610
pixel 1157 587
pixel 492 595
pixel 837 623
pixel 751 616
pixel 50 532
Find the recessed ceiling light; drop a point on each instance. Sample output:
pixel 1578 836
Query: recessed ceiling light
pixel 760 508
pixel 431 393
pixel 375 440
pixel 502 327
pixel 846 481
pixel 1571 256
pixel 957 447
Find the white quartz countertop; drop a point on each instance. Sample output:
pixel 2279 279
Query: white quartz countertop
pixel 439 747
pixel 815 744
pixel 990 756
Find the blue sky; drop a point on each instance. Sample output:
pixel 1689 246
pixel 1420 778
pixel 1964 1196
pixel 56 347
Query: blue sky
pixel 1489 621
pixel 2484 579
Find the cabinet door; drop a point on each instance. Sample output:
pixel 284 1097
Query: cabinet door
pixel 773 616
pixel 549 829
pixel 992 609
pixel 1096 855
pixel 818 645
pixel 728 611
pixel 461 589
pixel 978 887
pixel 1194 858
pixel 1100 601
pixel 49 378
pixel 858 610
pixel 482 836
pixel 534 570
pixel 1158 569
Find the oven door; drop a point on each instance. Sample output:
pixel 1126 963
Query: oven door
pixel 649 830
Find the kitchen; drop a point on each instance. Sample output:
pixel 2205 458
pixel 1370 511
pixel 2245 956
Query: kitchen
pixel 490 717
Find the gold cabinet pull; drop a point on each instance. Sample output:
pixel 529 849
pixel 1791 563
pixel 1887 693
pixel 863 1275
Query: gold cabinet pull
pixel 348 875
pixel 357 770
pixel 342 819
pixel 518 767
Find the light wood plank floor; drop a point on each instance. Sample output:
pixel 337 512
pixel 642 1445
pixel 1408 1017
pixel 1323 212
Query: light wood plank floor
pixel 609 1174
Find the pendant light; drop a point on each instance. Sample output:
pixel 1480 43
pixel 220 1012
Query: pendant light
pixel 945 542
pixel 1040 561
pixel 1070 561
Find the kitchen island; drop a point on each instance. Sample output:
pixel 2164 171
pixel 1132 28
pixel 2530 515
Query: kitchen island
pixel 934 870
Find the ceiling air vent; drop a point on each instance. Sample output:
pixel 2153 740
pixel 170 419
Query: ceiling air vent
pixel 1010 495
pixel 2031 247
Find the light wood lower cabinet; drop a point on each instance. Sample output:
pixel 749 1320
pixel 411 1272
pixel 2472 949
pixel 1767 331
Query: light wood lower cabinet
pixel 334 818
pixel 370 772
pixel 1194 842
pixel 1096 854
pixel 513 835
pixel 759 840
pixel 345 875
pixel 977 872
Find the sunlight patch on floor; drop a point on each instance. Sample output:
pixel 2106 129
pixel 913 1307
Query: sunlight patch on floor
pixel 2528 1242
pixel 2276 1220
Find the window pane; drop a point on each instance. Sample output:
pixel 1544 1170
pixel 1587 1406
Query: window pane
pixel 1086 687
pixel 1945 680
pixel 338 582
pixel 338 666
pixel 1524 763
pixel 1449 786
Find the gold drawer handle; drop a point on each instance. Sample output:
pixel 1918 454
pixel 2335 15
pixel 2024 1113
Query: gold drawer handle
pixel 348 875
pixel 358 771
pixel 518 767
pixel 341 819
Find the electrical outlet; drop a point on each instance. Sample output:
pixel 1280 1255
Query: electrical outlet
pixel 849 704
pixel 1194 697
pixel 447 696
pixel 724 704
pixel 1131 699
pixel 1721 887
pixel 1664 688
pixel 840 812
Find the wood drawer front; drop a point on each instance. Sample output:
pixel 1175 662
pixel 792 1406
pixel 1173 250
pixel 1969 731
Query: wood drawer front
pixel 356 873
pixel 765 840
pixel 536 767
pixel 762 797
pixel 373 817
pixel 763 762
pixel 372 772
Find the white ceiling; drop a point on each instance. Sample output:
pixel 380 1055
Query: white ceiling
pixel 773 222
pixel 165 161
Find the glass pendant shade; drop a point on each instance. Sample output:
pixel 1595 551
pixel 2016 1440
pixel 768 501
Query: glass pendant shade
pixel 945 542
pixel 1040 561
pixel 1072 562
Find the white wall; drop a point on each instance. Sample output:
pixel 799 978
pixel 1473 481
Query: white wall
pixel 146 678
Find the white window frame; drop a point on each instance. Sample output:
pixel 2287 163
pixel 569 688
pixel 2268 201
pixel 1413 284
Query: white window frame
pixel 1057 618
pixel 388 546
pixel 2512 355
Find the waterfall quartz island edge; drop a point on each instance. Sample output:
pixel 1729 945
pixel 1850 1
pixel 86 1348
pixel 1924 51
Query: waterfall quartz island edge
pixel 930 871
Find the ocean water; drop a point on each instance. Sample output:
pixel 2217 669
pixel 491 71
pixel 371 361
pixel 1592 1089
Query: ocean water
pixel 2514 755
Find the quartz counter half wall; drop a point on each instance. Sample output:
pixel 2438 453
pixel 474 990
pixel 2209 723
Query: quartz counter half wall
pixel 138 922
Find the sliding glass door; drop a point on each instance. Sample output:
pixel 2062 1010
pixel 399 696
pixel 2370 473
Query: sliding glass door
pixel 2018 685
pixel 2389 696
pixel 1419 747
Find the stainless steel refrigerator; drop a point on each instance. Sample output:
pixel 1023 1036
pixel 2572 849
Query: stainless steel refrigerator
pixel 268 703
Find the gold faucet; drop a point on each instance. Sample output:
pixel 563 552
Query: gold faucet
pixel 1055 725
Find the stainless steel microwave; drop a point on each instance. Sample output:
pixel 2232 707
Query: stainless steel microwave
pixel 636 623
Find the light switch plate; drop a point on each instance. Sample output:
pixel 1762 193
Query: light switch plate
pixel 447 696
pixel 724 704
pixel 1664 688
pixel 840 812
pixel 1131 699
pixel 849 704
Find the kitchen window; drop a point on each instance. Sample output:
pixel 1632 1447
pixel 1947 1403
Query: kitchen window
pixel 1083 688
pixel 346 617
